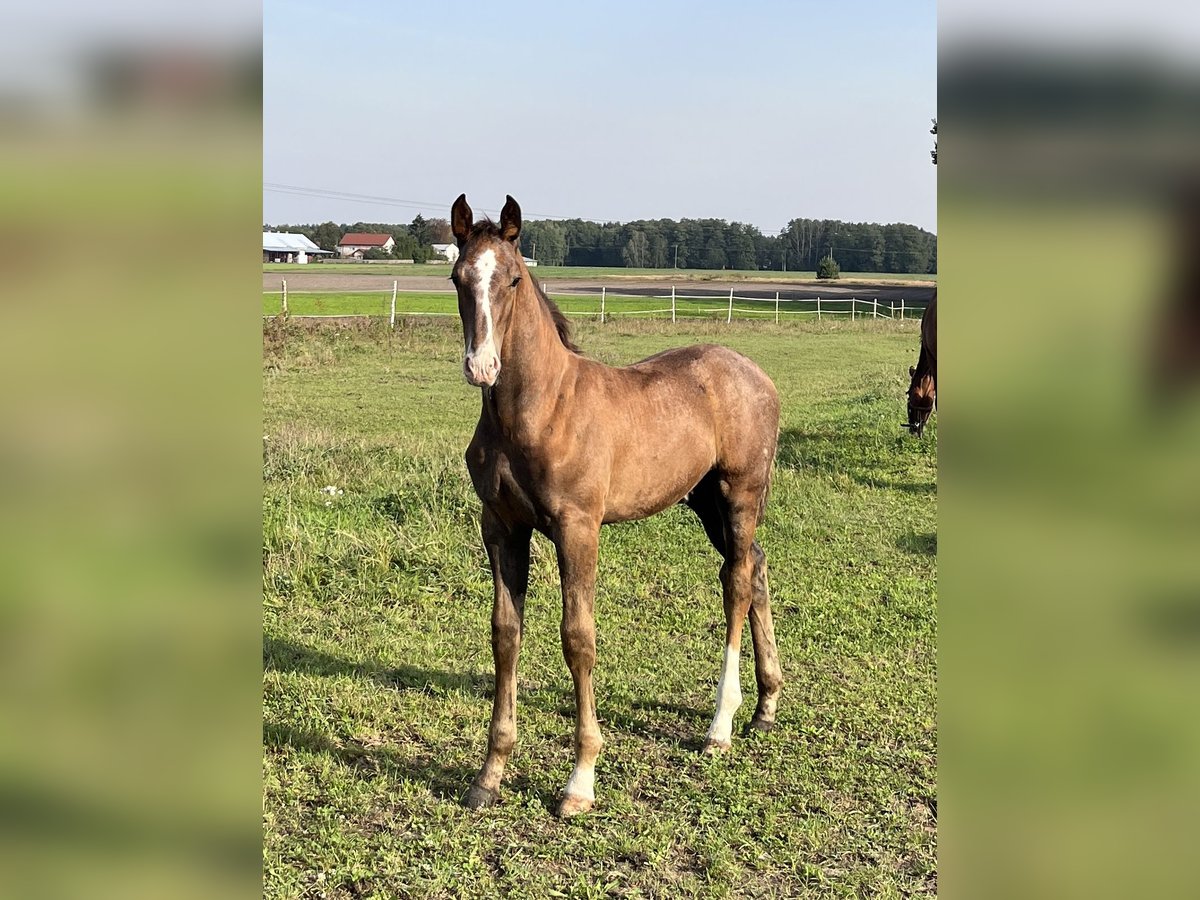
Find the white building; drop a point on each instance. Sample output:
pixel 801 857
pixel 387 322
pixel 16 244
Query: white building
pixel 285 247
pixel 447 251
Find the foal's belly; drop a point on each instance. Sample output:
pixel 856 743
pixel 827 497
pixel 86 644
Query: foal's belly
pixel 654 473
pixel 640 488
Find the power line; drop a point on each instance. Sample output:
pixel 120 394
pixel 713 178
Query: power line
pixel 297 190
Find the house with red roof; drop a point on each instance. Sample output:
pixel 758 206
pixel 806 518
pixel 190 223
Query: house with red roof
pixel 356 243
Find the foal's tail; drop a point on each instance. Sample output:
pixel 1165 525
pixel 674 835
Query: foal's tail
pixel 766 492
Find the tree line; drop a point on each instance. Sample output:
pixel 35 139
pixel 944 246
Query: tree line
pixel 684 244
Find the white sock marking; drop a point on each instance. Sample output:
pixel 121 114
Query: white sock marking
pixel 582 782
pixel 729 697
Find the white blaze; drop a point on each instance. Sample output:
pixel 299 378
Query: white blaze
pixel 485 268
pixel 484 358
pixel 729 698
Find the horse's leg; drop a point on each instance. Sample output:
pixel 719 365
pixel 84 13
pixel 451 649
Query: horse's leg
pixel 740 514
pixel 508 550
pixel 766 655
pixel 705 501
pixel 577 543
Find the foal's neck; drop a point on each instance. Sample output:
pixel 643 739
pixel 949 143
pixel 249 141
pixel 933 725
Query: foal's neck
pixel 533 361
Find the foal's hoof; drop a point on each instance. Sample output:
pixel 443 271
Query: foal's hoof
pixel 759 726
pixel 574 805
pixel 480 797
pixel 715 748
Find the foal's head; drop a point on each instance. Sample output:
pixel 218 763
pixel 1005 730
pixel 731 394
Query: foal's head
pixel 922 396
pixel 487 276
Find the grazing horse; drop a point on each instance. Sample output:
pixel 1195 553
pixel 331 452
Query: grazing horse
pixel 566 444
pixel 922 389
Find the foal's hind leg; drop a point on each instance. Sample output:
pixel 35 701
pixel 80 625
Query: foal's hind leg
pixel 766 655
pixel 740 513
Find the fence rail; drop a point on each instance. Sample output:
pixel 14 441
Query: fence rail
pixel 608 305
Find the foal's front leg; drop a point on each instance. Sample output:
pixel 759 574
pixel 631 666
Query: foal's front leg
pixel 508 550
pixel 577 543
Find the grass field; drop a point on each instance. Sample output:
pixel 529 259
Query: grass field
pixel 378 665
pixel 561 273
pixel 378 303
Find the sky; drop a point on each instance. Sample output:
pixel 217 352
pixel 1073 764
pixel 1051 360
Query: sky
pixel 754 112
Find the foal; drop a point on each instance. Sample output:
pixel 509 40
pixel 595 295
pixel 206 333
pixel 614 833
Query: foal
pixel 565 444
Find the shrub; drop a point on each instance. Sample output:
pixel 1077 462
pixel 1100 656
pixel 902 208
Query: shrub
pixel 828 268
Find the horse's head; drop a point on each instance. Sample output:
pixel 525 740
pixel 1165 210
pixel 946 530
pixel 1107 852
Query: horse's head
pixel 488 271
pixel 922 397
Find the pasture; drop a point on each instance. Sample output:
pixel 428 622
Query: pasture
pixel 377 661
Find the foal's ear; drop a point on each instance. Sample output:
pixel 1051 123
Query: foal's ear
pixel 510 220
pixel 461 220
pixel 912 370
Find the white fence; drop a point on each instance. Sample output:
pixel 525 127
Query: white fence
pixel 818 306
pixel 613 304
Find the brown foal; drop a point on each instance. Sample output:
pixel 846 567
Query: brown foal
pixel 922 388
pixel 566 444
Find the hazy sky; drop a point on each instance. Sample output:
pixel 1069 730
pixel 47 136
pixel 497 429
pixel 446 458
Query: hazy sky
pixel 755 112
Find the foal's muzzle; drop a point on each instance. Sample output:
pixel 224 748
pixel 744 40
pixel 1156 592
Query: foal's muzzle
pixel 482 369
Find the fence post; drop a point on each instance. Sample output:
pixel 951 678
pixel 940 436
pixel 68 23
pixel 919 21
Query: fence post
pixel 729 317
pixel 874 307
pixel 777 307
pixel 672 304
pixel 901 309
pixel 818 307
pixel 285 296
pixel 393 319
pixel 602 305
pixel 852 302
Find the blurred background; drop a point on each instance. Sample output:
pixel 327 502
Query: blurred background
pixel 1069 618
pixel 130 150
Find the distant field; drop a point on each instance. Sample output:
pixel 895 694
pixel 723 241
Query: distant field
pixel 560 273
pixel 367 303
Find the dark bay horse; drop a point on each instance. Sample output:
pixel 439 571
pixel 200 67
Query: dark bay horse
pixel 922 388
pixel 566 444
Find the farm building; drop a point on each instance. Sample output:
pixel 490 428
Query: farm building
pixel 446 251
pixel 355 244
pixel 284 247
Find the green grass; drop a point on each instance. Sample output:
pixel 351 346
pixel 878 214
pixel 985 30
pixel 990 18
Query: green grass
pixel 378 666
pixel 378 303
pixel 566 273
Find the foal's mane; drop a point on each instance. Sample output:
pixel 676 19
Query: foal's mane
pixel 486 227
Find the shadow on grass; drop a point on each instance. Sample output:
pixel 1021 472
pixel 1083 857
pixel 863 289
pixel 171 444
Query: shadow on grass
pixel 446 782
pixel 864 456
pixel 921 544
pixel 664 722
pixel 281 655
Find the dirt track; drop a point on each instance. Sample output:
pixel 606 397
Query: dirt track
pixel 764 290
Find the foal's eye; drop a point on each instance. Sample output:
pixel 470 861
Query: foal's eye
pixel 515 281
